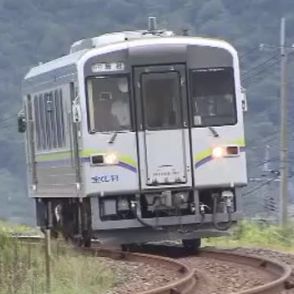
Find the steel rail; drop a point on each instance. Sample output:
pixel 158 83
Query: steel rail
pixel 277 269
pixel 183 285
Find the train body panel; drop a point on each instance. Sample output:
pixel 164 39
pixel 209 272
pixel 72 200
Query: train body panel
pixel 51 161
pixel 141 133
pixel 228 170
pixel 122 176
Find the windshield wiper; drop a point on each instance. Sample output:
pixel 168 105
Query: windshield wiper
pixel 112 138
pixel 114 135
pixel 214 132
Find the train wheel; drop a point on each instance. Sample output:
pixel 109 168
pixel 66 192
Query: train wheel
pixel 132 247
pixel 191 245
pixel 124 247
pixel 87 240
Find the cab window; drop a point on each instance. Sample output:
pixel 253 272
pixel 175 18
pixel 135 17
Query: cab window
pixel 213 97
pixel 109 103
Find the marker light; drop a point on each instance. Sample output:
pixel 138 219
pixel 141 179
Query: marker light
pixel 218 152
pixel 110 158
pixel 233 150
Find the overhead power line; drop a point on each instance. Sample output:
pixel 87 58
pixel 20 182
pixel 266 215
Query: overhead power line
pixel 261 70
pixel 260 65
pixel 258 187
pixel 7 119
pixel 254 49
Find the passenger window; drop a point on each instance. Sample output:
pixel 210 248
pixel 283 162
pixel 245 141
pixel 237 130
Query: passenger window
pixel 49 120
pixel 49 110
pixel 37 123
pixel 59 120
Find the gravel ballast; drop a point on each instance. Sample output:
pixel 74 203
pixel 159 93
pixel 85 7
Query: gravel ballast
pixel 283 257
pixel 214 276
pixel 223 277
pixel 136 277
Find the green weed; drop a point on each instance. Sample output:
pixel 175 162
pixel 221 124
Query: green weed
pixel 22 270
pixel 250 233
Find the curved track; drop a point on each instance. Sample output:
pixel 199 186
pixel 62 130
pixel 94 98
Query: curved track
pixel 186 284
pixel 280 272
pixel 190 280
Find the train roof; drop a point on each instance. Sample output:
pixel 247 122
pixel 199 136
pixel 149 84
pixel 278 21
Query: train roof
pixel 119 40
pixel 64 61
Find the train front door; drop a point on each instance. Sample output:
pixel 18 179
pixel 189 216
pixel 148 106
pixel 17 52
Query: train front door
pixel 163 133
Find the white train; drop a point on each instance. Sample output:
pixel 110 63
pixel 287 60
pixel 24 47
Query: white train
pixel 137 136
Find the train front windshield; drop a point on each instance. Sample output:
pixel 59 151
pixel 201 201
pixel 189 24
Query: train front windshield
pixel 109 104
pixel 213 97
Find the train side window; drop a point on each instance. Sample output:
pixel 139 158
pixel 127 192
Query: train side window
pixel 109 103
pixel 43 137
pixel 61 118
pixel 59 134
pixel 37 123
pixel 49 109
pixel 213 97
pixel 56 116
pixel 49 120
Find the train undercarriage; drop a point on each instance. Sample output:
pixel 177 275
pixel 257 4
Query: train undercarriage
pixel 139 218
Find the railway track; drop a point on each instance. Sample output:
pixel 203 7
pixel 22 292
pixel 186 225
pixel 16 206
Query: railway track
pixel 278 272
pixel 186 283
pixel 192 278
pixel 274 275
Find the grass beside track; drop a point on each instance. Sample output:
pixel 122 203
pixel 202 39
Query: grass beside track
pixel 257 234
pixel 22 265
pixel 9 228
pixel 22 270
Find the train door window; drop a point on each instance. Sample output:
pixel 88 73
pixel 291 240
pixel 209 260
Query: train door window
pixel 109 103
pixel 161 100
pixel 213 97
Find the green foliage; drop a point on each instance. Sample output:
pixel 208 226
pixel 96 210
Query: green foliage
pixel 10 228
pixel 22 270
pixel 249 233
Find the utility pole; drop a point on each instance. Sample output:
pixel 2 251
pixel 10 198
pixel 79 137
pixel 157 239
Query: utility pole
pixel 284 129
pixel 47 260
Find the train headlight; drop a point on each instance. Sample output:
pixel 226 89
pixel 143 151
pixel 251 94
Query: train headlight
pixel 218 152
pixel 226 151
pixel 110 158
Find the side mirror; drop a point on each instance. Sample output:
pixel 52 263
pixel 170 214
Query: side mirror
pixel 244 100
pixel 21 122
pixel 76 111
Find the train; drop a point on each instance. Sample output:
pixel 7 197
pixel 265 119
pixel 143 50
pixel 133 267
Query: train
pixel 136 136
